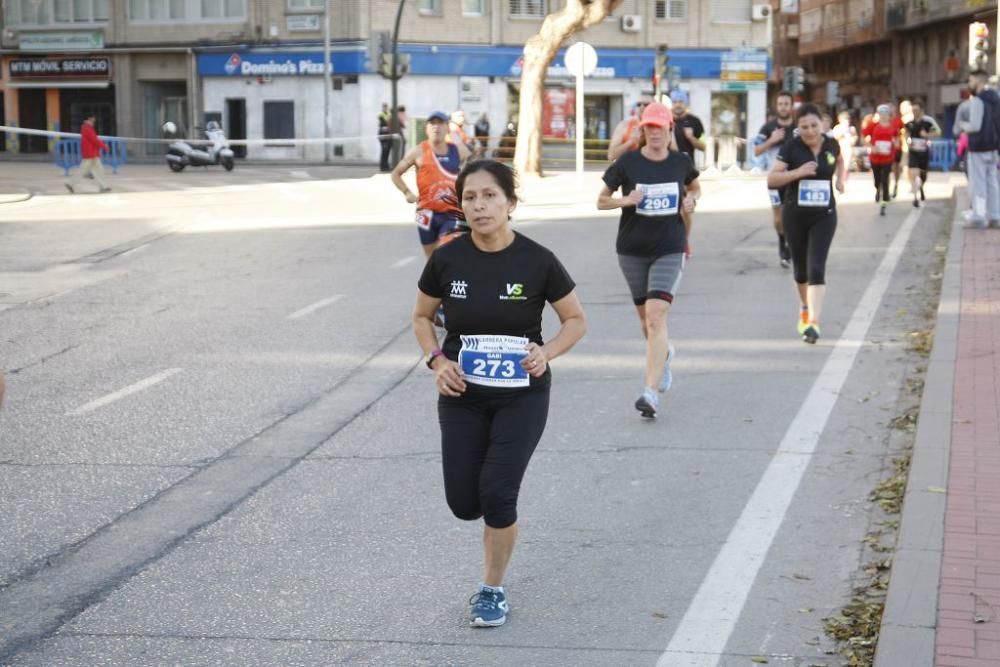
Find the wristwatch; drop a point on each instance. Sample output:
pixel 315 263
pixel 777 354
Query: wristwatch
pixel 431 356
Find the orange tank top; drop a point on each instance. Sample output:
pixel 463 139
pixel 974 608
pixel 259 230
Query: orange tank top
pixel 633 123
pixel 436 179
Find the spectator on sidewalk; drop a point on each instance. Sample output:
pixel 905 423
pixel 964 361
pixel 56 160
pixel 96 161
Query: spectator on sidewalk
pixel 983 128
pixel 90 154
pixel 482 131
pixel 385 142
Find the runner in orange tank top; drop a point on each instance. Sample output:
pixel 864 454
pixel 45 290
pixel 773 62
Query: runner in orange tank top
pixel 437 163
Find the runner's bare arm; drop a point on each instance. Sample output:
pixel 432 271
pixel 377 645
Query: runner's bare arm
pixel 409 160
pixel 463 153
pixel 695 141
pixel 574 325
pixel 607 201
pixel 447 375
pixel 841 173
pixel 619 142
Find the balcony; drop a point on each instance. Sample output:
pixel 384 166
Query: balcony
pixel 907 14
pixel 833 38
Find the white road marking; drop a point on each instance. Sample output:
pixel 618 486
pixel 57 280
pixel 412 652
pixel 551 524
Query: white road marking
pixel 403 262
pixel 323 303
pixel 300 174
pixel 704 631
pixel 122 393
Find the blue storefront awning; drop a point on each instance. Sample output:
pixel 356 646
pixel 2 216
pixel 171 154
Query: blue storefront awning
pixel 457 60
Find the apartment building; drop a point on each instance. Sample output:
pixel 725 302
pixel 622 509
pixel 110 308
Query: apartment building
pixel 858 53
pixel 257 66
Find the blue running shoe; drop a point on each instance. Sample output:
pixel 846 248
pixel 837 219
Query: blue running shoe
pixel 668 377
pixel 647 403
pixel 489 609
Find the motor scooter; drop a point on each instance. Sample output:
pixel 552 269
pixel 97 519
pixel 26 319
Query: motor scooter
pixel 181 154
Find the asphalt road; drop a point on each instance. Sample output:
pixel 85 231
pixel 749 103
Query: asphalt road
pixel 219 446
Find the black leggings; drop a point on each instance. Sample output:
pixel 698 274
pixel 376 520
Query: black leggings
pixel 486 443
pixel 809 236
pixel 881 173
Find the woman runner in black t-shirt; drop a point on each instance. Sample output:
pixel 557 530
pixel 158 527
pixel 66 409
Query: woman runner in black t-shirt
pixel 660 188
pixel 805 168
pixel 492 371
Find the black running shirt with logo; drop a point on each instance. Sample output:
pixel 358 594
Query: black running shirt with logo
pixel 917 131
pixel 813 193
pixel 654 228
pixel 494 293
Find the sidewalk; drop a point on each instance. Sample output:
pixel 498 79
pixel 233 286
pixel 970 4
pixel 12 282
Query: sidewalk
pixel 943 605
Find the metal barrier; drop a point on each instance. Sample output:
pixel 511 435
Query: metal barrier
pixel 67 154
pixel 943 154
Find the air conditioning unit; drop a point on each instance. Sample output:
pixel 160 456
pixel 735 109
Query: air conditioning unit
pixel 760 12
pixel 631 23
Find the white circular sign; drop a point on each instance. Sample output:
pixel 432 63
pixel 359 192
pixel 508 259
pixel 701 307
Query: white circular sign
pixel 581 59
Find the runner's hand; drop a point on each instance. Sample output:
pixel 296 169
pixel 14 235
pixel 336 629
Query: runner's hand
pixel 808 169
pixel 840 186
pixel 448 377
pixel 687 250
pixel 535 362
pixel 411 198
pixel 633 198
pixel 778 135
pixel 689 203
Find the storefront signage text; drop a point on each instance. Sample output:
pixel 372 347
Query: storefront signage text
pixel 60 68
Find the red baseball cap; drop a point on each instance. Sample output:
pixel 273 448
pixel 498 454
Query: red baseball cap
pixel 657 114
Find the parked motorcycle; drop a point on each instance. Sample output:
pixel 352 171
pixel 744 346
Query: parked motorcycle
pixel 181 154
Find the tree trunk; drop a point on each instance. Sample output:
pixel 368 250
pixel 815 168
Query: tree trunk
pixel 539 52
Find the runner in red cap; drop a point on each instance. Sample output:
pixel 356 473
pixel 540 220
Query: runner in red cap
pixel 659 186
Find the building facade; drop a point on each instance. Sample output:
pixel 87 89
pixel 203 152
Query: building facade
pixel 859 53
pixel 257 66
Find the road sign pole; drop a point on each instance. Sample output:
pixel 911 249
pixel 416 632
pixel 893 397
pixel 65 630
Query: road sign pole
pixel 581 122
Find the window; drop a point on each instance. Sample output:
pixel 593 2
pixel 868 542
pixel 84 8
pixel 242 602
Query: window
pixel 473 7
pixel 429 6
pixel 279 120
pixel 55 12
pixel 731 11
pixel 674 10
pixel 187 10
pixel 306 4
pixel 528 8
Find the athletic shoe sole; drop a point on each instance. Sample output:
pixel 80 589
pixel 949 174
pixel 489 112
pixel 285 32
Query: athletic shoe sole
pixel 480 623
pixel 810 335
pixel 644 408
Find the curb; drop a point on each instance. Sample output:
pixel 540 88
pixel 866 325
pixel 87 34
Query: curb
pixel 909 620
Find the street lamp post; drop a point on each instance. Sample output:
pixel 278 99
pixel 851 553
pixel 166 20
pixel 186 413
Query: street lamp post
pixel 394 112
pixel 327 81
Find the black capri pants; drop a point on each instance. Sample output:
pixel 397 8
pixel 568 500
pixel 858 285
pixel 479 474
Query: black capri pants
pixel 486 443
pixel 809 235
pixel 881 173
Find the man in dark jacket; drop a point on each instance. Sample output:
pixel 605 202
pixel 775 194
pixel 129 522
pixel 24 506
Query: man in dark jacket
pixel 90 154
pixel 981 163
pixel 384 129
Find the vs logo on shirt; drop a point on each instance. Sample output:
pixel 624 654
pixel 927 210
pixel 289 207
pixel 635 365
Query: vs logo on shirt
pixel 515 292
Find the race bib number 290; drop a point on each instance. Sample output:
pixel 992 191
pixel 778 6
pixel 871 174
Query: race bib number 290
pixel 494 361
pixel 658 198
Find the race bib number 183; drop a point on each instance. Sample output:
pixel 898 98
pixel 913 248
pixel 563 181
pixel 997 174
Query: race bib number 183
pixel 814 193
pixel 494 361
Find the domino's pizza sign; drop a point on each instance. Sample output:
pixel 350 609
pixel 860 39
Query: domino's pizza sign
pixel 233 64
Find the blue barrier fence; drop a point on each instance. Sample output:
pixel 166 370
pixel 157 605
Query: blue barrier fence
pixel 943 154
pixel 67 154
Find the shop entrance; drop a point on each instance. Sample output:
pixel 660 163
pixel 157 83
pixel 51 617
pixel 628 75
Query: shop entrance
pixel 32 116
pixel 729 113
pixel 163 101
pixel 75 104
pixel 236 123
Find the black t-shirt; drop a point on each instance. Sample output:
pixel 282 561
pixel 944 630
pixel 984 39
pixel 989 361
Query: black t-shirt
pixel 683 144
pixel 916 131
pixel 654 228
pixel 768 128
pixel 494 293
pixel 795 153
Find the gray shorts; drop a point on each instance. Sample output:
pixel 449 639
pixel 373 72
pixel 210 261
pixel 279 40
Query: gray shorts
pixel 652 277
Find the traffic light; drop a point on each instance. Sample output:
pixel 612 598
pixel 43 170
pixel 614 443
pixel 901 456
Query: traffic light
pixel 660 71
pixel 386 66
pixel 794 79
pixel 979 46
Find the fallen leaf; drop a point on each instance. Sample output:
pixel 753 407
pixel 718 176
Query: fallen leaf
pixel 807 610
pixel 759 660
pixel 657 614
pixel 801 577
pixel 937 489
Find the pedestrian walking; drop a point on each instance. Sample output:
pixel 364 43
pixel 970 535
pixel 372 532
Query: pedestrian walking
pixel 983 128
pixel 919 133
pixel 805 169
pixel 883 138
pixel 482 133
pixel 688 128
pixel 768 141
pixel 90 157
pixel 384 140
pixel 437 163
pixel 658 186
pixel 846 137
pixel 492 371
